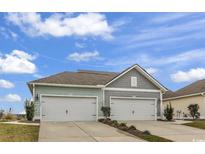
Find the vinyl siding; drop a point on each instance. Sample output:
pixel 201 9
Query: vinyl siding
pixel 67 91
pixel 125 81
pixel 181 104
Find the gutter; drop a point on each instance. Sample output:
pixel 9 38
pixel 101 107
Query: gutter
pixel 184 96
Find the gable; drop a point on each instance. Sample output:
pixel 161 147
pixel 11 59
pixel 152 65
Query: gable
pixel 124 81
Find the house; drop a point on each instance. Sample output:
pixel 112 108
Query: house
pixel 182 98
pixel 78 96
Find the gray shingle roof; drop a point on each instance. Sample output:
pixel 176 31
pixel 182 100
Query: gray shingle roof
pixel 82 77
pixel 196 87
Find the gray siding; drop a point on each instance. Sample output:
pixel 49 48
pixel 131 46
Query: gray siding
pixel 125 81
pixel 67 91
pixel 131 94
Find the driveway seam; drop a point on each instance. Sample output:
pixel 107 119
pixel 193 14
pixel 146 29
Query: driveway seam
pixel 85 131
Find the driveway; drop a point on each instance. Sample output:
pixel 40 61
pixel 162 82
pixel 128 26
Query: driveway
pixel 82 132
pixel 170 130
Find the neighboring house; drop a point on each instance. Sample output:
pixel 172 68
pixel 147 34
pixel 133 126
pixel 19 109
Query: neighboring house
pixel 78 96
pixel 182 98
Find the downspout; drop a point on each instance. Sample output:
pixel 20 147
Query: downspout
pixel 161 105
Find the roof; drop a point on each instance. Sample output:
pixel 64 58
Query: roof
pixel 143 72
pixel 92 78
pixel 82 77
pixel 194 88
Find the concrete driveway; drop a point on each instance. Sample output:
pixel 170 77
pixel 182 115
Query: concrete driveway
pixel 82 132
pixel 170 130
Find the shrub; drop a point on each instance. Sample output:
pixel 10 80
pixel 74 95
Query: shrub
pixel 29 107
pixel 101 120
pixel 132 128
pixel 1 114
pixel 146 132
pixel 123 126
pixel 115 123
pixel 193 109
pixel 169 112
pixel 106 111
pixel 9 117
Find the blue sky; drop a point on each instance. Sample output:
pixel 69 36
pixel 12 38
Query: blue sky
pixel 32 45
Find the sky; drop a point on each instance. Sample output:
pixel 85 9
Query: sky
pixel 170 46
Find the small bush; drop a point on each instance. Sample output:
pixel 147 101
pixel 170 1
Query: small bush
pixel 115 123
pixel 9 117
pixel 169 112
pixel 101 120
pixel 193 109
pixel 132 128
pixel 106 111
pixel 1 114
pixel 123 126
pixel 29 107
pixel 146 132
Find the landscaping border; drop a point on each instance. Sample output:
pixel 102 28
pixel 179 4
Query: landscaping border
pixel 145 135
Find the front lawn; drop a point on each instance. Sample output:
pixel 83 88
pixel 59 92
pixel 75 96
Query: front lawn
pixel 197 124
pixel 18 133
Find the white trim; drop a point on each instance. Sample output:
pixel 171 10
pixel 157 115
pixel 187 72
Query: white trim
pixel 68 85
pixel 161 106
pixel 137 98
pixel 171 98
pixel 131 89
pixel 34 92
pixel 103 96
pixel 149 77
pixel 77 96
pixel 133 79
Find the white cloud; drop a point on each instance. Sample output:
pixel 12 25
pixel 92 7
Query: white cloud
pixel 6 84
pixel 169 17
pixel 17 62
pixel 38 76
pixel 80 45
pixel 59 25
pixel 186 57
pixel 84 56
pixel 191 75
pixel 151 70
pixel 6 33
pixel 10 98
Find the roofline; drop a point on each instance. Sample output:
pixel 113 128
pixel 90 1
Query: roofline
pixel 65 85
pixel 149 77
pixel 184 96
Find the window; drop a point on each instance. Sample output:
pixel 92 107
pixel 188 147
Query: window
pixel 133 81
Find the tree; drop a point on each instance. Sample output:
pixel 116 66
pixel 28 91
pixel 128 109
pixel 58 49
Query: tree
pixel 106 111
pixel 169 112
pixel 193 110
pixel 29 107
pixel 1 113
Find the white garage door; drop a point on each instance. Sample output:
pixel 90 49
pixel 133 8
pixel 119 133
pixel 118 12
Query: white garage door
pixel 132 109
pixel 68 108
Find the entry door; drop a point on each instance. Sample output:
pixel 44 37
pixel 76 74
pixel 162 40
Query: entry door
pixel 68 108
pixel 132 109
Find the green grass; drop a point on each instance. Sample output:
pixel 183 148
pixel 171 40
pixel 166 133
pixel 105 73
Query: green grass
pixel 148 137
pixel 18 133
pixel 197 124
pixel 154 138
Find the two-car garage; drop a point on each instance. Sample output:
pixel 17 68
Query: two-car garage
pixel 76 108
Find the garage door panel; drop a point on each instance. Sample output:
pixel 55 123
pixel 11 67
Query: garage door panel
pixel 68 109
pixel 132 109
